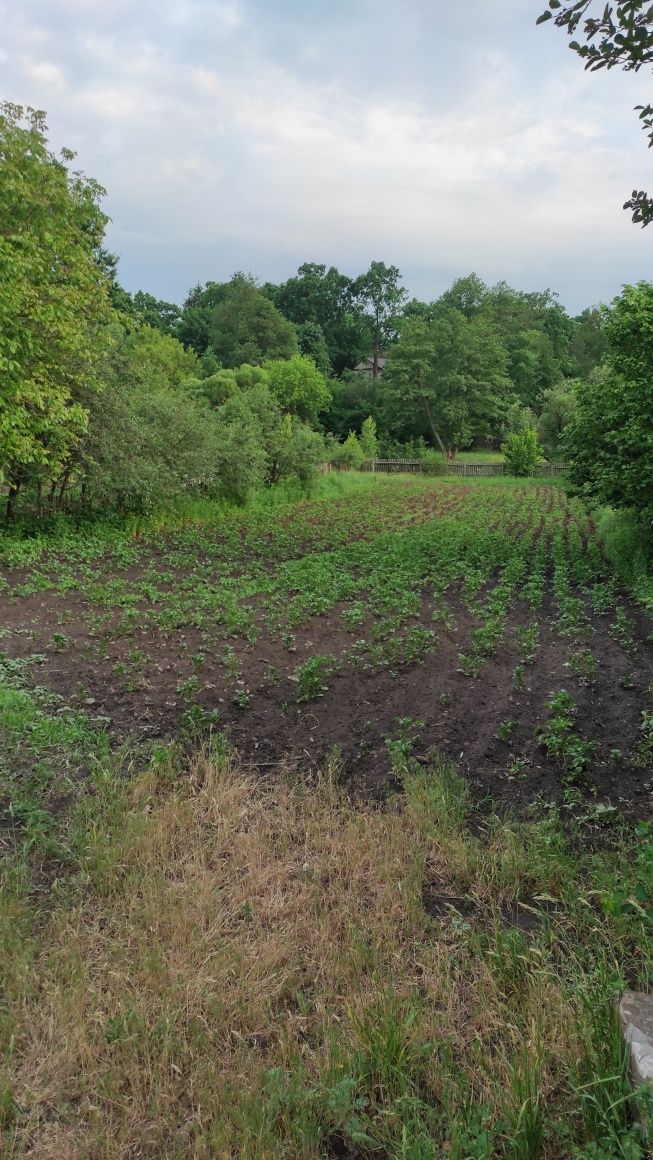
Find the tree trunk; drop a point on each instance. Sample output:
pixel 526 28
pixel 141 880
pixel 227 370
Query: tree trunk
pixel 62 489
pixel 434 431
pixel 377 350
pixel 14 488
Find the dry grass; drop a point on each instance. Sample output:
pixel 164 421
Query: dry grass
pixel 249 970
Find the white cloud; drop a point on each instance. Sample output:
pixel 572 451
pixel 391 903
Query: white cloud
pixel 235 151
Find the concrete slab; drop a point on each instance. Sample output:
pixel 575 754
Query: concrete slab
pixel 636 1015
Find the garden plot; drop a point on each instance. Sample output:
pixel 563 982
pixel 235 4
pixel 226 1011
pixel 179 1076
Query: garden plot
pixel 480 621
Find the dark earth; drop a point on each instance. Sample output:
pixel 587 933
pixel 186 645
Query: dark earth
pixel 455 715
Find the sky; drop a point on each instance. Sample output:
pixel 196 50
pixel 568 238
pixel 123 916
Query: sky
pixel 440 136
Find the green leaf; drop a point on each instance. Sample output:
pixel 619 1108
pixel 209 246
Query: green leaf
pixel 545 16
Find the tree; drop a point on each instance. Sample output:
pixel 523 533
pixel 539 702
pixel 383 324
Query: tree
pixel 467 295
pixel 453 372
pixel 383 298
pixel 324 298
pixel 54 302
pixel 368 440
pixel 196 321
pixel 147 440
pixel 299 386
pixel 589 344
pixel 522 452
pixel 610 441
pixel 312 343
pixel 559 407
pixel 354 398
pixel 241 459
pixel 615 35
pixel 159 358
pixel 247 327
pixel 350 453
pixel 154 312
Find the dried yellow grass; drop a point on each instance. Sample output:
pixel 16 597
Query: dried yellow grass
pixel 232 928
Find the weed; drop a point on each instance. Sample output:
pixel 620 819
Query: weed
pixel 623 628
pixel 242 699
pixel 469 666
pixel 517 768
pixel 311 677
pixel 506 729
pixel 562 742
pixel 643 756
pixel 59 642
pixel 583 665
pixel 401 746
pixel 528 638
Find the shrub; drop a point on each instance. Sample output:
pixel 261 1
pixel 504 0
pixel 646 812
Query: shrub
pixel 350 453
pixel 522 452
pixel 240 457
pixel 368 439
pixel 433 462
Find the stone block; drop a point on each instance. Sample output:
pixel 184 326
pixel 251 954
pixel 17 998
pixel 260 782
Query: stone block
pixel 636 1015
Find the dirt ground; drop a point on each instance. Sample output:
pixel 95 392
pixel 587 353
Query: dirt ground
pixel 361 708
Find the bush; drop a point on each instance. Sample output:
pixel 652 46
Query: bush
pixel 522 452
pixel 433 462
pixel 368 439
pixel 145 446
pixel 349 454
pixel 240 457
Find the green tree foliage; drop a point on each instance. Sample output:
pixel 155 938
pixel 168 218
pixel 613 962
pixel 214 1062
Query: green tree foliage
pixel 299 386
pixel 589 343
pixel 609 36
pixel 559 407
pixel 324 298
pixel 247 327
pixel 518 418
pixel 196 322
pixel 383 299
pixel 349 454
pixel 522 452
pixel 54 302
pixel 312 343
pixel 354 397
pixel 452 372
pixel 610 442
pixel 159 359
pixel 147 440
pixel 154 312
pixel 241 460
pixel 368 439
pixel 215 389
pixel 286 445
pixel 121 299
pixel 467 295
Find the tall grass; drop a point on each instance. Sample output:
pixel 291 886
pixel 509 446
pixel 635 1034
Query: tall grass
pixel 225 967
pixel 27 541
pixel 628 541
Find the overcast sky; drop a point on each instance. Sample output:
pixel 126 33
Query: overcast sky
pixel 442 137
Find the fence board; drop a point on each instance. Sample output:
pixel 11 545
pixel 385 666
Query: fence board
pixel 452 467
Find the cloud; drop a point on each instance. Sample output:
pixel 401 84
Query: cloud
pixel 221 148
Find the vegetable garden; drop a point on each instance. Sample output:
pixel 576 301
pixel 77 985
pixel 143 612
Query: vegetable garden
pixel 477 618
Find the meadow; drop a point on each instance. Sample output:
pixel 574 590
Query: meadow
pixel 325 828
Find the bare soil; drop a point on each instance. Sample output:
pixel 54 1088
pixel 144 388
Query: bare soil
pixel 361 709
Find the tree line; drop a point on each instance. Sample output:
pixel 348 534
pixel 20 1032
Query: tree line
pixel 118 401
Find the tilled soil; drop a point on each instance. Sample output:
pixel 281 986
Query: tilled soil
pixel 362 708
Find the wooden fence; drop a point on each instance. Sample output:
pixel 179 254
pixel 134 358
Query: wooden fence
pixel 453 467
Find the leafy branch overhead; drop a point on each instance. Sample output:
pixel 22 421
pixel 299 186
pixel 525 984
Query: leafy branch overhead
pixel 619 35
